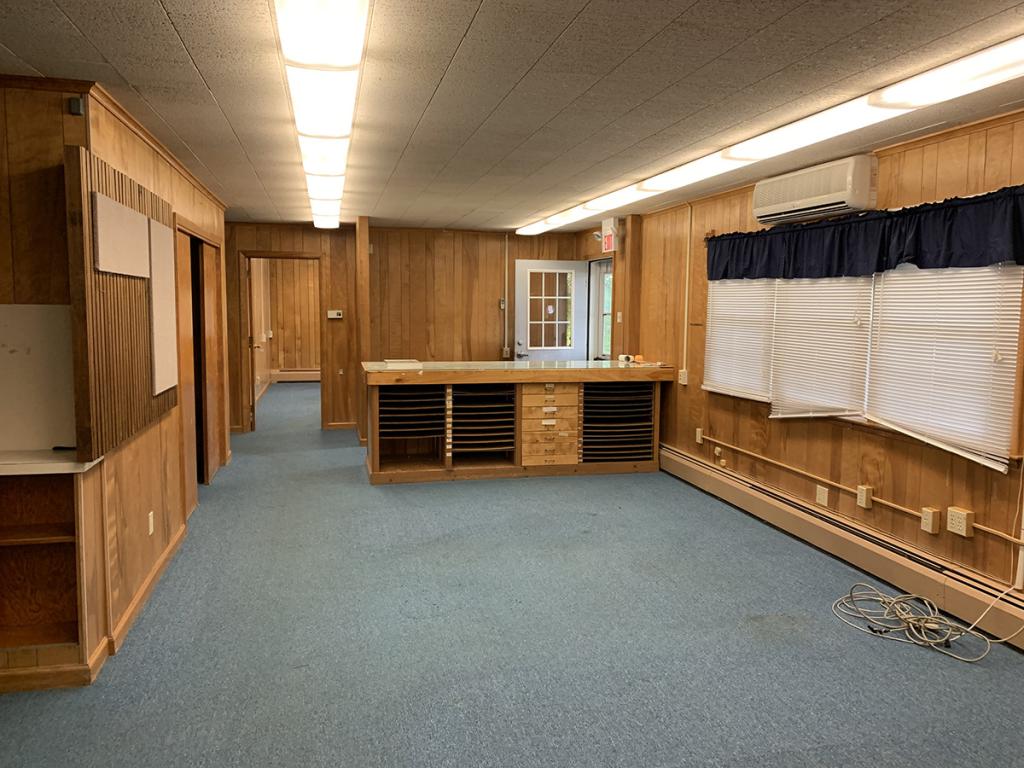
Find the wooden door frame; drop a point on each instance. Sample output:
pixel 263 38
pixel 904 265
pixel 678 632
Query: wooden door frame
pixel 245 335
pixel 220 433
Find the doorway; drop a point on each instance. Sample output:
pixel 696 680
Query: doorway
pixel 551 309
pixel 284 335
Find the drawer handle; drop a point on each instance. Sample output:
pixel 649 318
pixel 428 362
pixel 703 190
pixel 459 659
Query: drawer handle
pixel 548 422
pixel 549 449
pixel 549 398
pixel 550 409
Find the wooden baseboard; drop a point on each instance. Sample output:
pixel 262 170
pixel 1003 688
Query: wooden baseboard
pixel 38 678
pixel 389 477
pixel 303 375
pixel 956 591
pixel 120 630
pixel 339 425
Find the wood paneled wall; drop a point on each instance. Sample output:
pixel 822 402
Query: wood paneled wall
pixel 294 314
pixel 334 252
pixel 113 344
pixel 34 129
pixel 435 294
pixel 912 474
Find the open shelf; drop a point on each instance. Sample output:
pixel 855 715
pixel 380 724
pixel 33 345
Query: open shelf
pixel 40 533
pixel 57 633
pixel 483 424
pixel 618 421
pixel 411 411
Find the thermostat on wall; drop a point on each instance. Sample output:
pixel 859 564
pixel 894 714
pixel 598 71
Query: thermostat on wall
pixel 335 314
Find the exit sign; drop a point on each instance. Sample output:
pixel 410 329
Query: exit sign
pixel 609 235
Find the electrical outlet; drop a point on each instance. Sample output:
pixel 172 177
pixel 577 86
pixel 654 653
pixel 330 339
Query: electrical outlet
pixel 506 353
pixel 960 521
pixel 684 377
pixel 821 495
pixel 718 450
pixel 700 436
pixel 864 496
pixel 931 519
pixel 151 522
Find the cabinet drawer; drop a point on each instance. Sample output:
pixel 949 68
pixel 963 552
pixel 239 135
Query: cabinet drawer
pixel 554 448
pixel 551 398
pixel 560 459
pixel 554 436
pixel 550 412
pixel 550 389
pixel 549 425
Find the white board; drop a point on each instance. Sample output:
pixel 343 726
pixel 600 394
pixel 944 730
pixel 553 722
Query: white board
pixel 121 237
pixel 163 307
pixel 37 398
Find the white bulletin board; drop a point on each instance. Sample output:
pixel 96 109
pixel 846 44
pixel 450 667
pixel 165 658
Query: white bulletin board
pixel 121 237
pixel 163 307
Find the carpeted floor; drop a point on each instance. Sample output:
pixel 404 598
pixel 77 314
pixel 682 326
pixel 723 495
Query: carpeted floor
pixel 313 620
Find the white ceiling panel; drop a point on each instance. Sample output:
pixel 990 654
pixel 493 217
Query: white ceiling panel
pixel 491 113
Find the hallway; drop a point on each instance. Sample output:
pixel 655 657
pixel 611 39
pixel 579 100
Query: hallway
pixel 313 620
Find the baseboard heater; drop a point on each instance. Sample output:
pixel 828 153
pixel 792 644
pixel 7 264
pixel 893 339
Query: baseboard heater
pixel 1006 617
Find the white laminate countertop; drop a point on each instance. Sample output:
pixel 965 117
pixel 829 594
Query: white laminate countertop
pixel 42 463
pixel 503 365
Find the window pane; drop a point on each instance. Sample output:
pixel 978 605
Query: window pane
pixel 549 334
pixel 536 283
pixel 550 284
pixel 606 299
pixel 562 335
pixel 563 283
pixel 536 335
pixel 738 337
pixel 562 309
pixel 536 309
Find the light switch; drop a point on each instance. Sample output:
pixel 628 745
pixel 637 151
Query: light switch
pixel 335 314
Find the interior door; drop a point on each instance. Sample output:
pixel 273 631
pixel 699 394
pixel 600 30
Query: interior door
pixel 551 309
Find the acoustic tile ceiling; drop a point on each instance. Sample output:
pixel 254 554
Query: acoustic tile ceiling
pixel 492 113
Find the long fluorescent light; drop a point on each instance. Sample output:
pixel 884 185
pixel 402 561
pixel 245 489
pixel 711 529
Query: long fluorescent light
pixel 325 187
pixel 324 100
pixel 322 33
pixel 992 66
pixel 322 43
pixel 323 157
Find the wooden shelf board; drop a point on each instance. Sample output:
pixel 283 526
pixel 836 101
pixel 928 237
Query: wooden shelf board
pixel 59 633
pixel 42 533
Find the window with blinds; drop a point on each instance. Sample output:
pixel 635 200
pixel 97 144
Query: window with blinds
pixel 820 345
pixel 737 357
pixel 944 357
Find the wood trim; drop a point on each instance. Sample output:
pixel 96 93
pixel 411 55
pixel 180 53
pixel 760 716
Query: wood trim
pixel 131 613
pixel 38 678
pixel 182 224
pixel 962 594
pixel 488 473
pixel 32 83
pixel 520 376
pixel 342 425
pixel 102 96
pixel 248 254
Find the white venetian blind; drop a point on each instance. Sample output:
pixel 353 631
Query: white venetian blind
pixel 820 346
pixel 944 357
pixel 737 358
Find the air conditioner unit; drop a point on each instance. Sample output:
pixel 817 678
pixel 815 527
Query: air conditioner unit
pixel 830 189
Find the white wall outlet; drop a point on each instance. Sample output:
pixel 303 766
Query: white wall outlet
pixel 931 519
pixel 821 495
pixel 864 496
pixel 335 314
pixel 618 317
pixel 151 522
pixel 718 450
pixel 684 377
pixel 700 436
pixel 960 521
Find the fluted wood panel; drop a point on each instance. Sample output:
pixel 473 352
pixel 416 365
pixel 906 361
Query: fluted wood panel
pixel 117 316
pixel 912 474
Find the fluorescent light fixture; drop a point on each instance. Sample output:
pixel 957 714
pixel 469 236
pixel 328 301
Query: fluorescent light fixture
pixel 993 66
pixel 326 222
pixel 325 207
pixel 617 199
pixel 692 172
pixel 855 114
pixel 325 187
pixel 980 70
pixel 323 157
pixel 323 33
pixel 324 100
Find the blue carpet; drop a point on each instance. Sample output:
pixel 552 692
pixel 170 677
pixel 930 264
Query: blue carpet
pixel 313 620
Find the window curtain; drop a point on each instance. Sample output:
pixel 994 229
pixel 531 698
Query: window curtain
pixel 962 232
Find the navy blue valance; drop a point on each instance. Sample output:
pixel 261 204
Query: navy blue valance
pixel 961 232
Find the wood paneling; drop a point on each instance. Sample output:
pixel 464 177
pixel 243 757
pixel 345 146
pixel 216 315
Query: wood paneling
pixel 117 336
pixel 213 358
pixel 904 471
pixel 294 314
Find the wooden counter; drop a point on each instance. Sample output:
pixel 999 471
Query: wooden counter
pixel 450 421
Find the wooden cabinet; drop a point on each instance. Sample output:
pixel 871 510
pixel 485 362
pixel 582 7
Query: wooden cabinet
pixel 452 421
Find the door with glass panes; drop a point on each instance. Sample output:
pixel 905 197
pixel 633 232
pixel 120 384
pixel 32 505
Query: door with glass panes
pixel 551 310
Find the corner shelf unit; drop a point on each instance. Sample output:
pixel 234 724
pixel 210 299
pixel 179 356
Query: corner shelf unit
pixel 618 421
